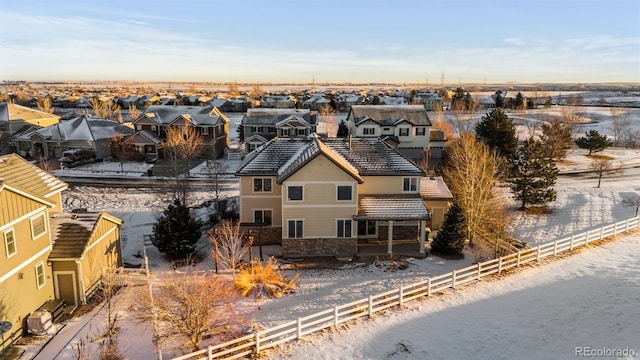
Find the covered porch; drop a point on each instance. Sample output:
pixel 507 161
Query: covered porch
pixel 389 212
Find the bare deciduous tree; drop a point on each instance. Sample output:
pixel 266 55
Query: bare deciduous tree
pixel 330 121
pixel 193 307
pixel 183 143
pixel 47 164
pixel 464 117
pixel 603 166
pixel 439 121
pixel 105 109
pixel 471 171
pixel 45 104
pixel 134 113
pixel 633 201
pixel 229 245
pixel 619 124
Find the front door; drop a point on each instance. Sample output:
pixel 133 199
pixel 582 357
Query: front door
pixel 66 288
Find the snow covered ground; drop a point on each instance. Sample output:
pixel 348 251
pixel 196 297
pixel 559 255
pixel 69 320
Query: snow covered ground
pixel 589 299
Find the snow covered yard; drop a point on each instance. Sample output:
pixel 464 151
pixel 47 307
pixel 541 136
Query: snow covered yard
pixel 542 312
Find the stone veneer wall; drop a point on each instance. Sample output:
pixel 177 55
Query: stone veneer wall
pixel 399 232
pixel 319 247
pixel 268 235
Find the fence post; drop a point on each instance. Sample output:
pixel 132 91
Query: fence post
pixel 602 231
pixel 615 229
pixel 370 305
pixel 499 264
pixel 571 243
pixel 479 270
pixel 538 255
pixel 429 287
pixel 258 342
pixel 400 295
pixel 299 328
pixel 518 260
pixel 627 226
pixel 586 241
pixel 555 248
pixel 453 279
pixel 335 316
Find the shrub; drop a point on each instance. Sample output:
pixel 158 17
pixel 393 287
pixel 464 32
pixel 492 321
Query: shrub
pixel 264 280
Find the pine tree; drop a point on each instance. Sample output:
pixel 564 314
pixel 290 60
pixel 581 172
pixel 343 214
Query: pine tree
pixel 533 175
pixel 497 131
pixel 593 141
pixel 451 237
pixel 556 139
pixel 240 131
pixel 520 101
pixel 176 232
pixel 343 130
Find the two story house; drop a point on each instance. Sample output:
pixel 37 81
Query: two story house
pixel 326 196
pixel 261 125
pixel 45 254
pixel 406 127
pixel 151 128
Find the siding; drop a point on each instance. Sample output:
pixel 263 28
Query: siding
pixel 25 245
pixel 383 185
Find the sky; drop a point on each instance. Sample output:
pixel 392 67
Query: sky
pixel 299 41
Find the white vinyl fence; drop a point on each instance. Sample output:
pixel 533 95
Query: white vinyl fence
pixel 332 317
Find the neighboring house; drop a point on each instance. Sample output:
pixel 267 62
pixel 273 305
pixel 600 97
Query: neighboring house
pixel 84 132
pixel 84 244
pixel 392 100
pixel 261 125
pixel 431 101
pixel 324 197
pixel 348 100
pixel 406 127
pixel 32 229
pixel 209 122
pixel 14 117
pixel 316 103
pixel 437 141
pixel 278 102
pixel 437 198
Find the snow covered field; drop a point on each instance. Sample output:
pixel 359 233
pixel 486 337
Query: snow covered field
pixel 589 299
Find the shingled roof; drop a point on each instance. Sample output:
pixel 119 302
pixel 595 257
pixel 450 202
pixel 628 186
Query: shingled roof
pixel 199 115
pixel 21 174
pixel 391 114
pixel 72 233
pixel 357 156
pixel 392 207
pixel 270 117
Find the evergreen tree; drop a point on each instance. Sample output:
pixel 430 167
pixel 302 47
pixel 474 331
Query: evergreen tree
pixel 556 139
pixel 497 131
pixel 498 97
pixel 343 130
pixel 533 175
pixel 240 131
pixel 176 232
pixel 593 141
pixel 519 101
pixel 451 237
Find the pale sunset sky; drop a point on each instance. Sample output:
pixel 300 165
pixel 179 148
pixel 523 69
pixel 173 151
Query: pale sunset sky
pixel 390 41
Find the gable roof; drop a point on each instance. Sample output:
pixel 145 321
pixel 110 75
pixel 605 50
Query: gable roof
pixel 358 157
pixel 143 137
pixel 198 115
pixel 72 233
pixel 10 111
pixel 21 174
pixel 271 117
pixel 391 114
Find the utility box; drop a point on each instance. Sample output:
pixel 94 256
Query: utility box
pixel 39 322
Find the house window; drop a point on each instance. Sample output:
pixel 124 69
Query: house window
pixel 10 243
pixel 284 132
pixel 386 129
pixel 138 127
pixel 153 127
pixel 294 193
pixel 272 129
pixel 369 131
pixel 262 217
pixel 295 228
pixel 261 185
pixel 205 131
pixel 345 193
pixel 421 131
pixel 302 132
pixel 254 129
pixel 366 227
pixel 251 147
pixel 404 131
pixel 344 229
pixel 410 184
pixel 38 226
pixel 41 279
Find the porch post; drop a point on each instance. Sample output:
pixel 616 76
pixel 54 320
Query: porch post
pixel 390 238
pixel 422 235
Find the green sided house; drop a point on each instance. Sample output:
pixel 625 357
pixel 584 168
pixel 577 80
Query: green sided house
pixel 332 196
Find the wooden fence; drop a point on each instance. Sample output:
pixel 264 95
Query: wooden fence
pixel 367 307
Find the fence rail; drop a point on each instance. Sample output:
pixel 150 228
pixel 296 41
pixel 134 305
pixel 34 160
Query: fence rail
pixel 367 307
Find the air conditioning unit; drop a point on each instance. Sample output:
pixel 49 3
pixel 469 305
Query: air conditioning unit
pixel 40 323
